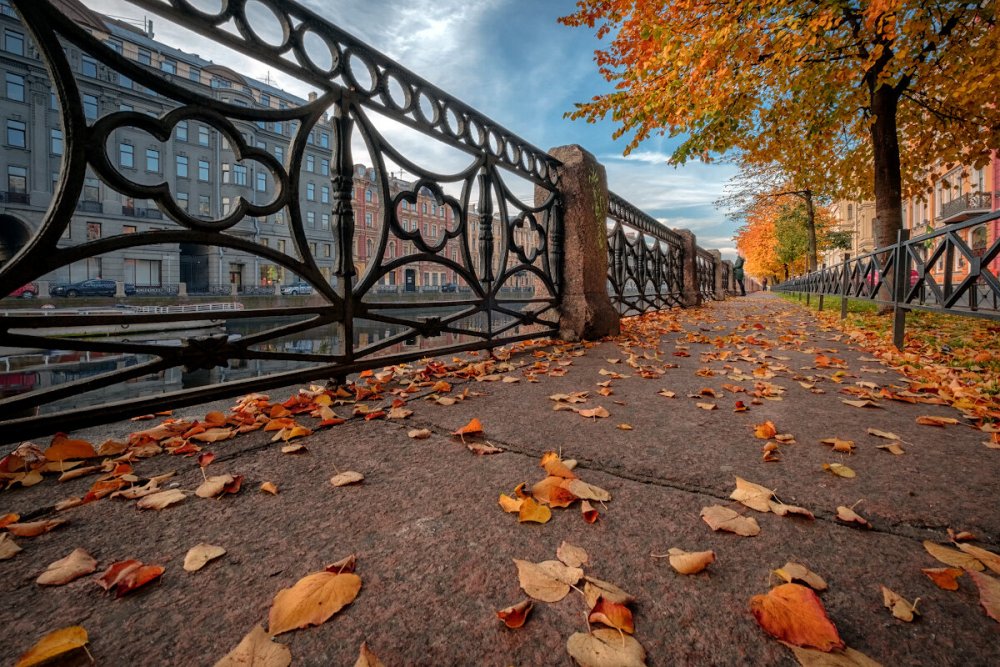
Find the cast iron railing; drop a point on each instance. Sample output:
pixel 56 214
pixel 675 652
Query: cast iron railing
pixel 940 271
pixel 645 260
pixel 705 263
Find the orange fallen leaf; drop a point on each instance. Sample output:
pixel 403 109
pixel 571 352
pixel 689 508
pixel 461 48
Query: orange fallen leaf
pixel 269 487
pixel 128 575
pixel 531 511
pixel 205 458
pixel 56 644
pixel 842 446
pixel 740 407
pixel 516 615
pixel 366 658
pixel 8 519
pixel 312 600
pixel 795 614
pixel 595 413
pixel 936 421
pixel 953 557
pixel 63 448
pixel 944 577
pixel 34 528
pixel 847 515
pixel 989 593
pixel 474 426
pixel 554 466
pixel 590 515
pixel 612 614
pixel 765 431
pixel 257 648
pixel 510 505
pixel 215 419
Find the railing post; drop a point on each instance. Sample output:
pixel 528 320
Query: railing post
pixel 899 290
pixel 845 284
pixel 690 294
pixel 720 285
pixel 586 311
pixel 822 278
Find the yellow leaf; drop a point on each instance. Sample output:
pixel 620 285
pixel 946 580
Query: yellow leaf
pixel 752 495
pixel 987 558
pixel 794 572
pixel 548 581
pixel 366 658
pixel 257 649
pixel 55 644
pixel 533 512
pixel 200 555
pixel 690 562
pixel 510 505
pixel 953 557
pixel 345 478
pixel 312 600
pixel 269 487
pixel 723 518
pixel 899 607
pixel 839 470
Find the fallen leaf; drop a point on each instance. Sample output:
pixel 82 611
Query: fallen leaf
pixel 707 406
pixel 605 647
pixel 899 607
pixel 883 434
pixel 366 658
pixel 723 518
pixel 752 495
pixel 586 491
pixel 842 446
pixel 953 557
pixel 312 600
pixel 55 644
pixel 548 581
pixel 593 589
pixel 960 536
pixel 269 487
pixel 419 433
pixel 63 449
pixel 666 393
pixel 590 515
pixel 257 649
pixel 516 615
pixel 845 657
pixel 892 447
pixel 989 593
pixel 552 492
pixel 795 572
pixel 346 564
pixel 473 427
pixel 987 558
pixel 199 555
pixel 554 466
pixel 944 577
pixel 839 470
pixel 128 575
pixel 510 505
pixel 297 448
pixel 624 427
pixel 781 509
pixel 937 421
pixel 213 486
pixel 65 570
pixel 571 555
pixel 34 528
pixel 612 614
pixel 765 431
pixel 795 614
pixel 690 562
pixel 347 477
pixel 596 413
pixel 864 403
pixel 161 499
pixel 847 515
pixel 532 511
pixel 8 547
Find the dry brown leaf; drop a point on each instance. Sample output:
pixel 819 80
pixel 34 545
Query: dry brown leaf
pixel 419 433
pixel 531 511
pixel 590 515
pixel 842 446
pixel 944 577
pixel 936 421
pixel 510 505
pixel 516 615
pixel 899 607
pixel 752 495
pixel 213 486
pixel 366 658
pixel 795 572
pixel 586 491
pixel 34 528
pixel 596 413
pixel 65 570
pixel 795 614
pixel 482 449
pixel 839 470
pixel 863 403
pixel 723 518
pixel 624 427
pixel 781 509
pixel 605 647
pixel 883 434
pixel 612 614
pixel 666 393
pixel 552 492
pixel 989 593
pixel 845 657
pixel 571 555
pixel 847 515
pixel 690 562
pixel 8 547
pixel 987 558
pixel 953 557
pixel 892 447
pixel 257 649
pixel 347 477
pixel 54 646
pixel 595 588
pixel 296 448
pixel 199 555
pixel 707 406
pixel 269 487
pixel 312 600
pixel 548 581
pixel 161 499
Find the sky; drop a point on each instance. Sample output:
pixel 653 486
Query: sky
pixel 512 61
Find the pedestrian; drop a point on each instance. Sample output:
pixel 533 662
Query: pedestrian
pixel 738 274
pixel 765 283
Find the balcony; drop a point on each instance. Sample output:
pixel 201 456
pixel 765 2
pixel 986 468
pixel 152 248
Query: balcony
pixel 150 213
pixel 966 206
pixel 7 197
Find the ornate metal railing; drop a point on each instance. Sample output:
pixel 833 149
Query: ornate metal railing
pixel 727 278
pixel 969 204
pixel 492 238
pixel 942 271
pixel 705 263
pixel 645 260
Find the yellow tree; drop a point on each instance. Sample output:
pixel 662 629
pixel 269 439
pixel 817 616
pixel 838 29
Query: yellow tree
pixel 851 80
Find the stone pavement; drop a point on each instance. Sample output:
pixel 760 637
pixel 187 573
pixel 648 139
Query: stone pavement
pixel 435 550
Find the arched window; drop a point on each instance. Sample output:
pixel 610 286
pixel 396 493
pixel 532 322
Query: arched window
pixel 392 250
pixel 369 247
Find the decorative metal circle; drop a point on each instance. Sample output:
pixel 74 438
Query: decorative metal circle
pixel 317 52
pixel 360 72
pixel 476 133
pixel 268 25
pixel 427 108
pixel 496 143
pixel 213 9
pixel 398 94
pixel 454 122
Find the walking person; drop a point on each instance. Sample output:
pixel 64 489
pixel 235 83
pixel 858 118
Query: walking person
pixel 738 274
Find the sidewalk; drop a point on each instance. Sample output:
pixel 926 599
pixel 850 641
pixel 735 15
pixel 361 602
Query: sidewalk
pixel 435 550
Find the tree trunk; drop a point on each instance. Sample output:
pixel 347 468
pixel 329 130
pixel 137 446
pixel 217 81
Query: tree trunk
pixel 811 228
pixel 888 180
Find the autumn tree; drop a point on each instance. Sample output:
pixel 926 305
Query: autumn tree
pixel 883 87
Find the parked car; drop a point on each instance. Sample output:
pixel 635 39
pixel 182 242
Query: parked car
pixel 449 287
pixel 297 289
pixel 92 287
pixel 28 291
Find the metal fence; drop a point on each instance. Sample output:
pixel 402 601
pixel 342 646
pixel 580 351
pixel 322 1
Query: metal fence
pixel 505 253
pixel 943 270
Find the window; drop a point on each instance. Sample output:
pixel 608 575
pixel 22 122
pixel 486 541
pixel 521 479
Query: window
pixel 128 229
pixel 169 65
pixel 182 130
pixel 17 134
pixel 261 125
pixel 182 200
pixel 310 159
pixel 368 196
pixel 17 179
pixel 310 192
pixel 369 222
pixel 324 221
pixel 56 142
pixel 261 181
pixel 312 248
pixel 93 231
pixel 182 166
pixel 327 250
pixel 13 42
pixel 278 128
pixel 265 100
pixel 281 245
pixel 324 194
pixel 145 57
pixel 15 87
pixel 239 174
pixel 88 66
pixel 91 189
pixel 53 102
pixel 225 172
pixel 125 107
pixel 126 155
pixel 114 44
pixel 311 219
pixel 310 139
pixel 90 107
pixel 279 152
pixel 153 160
pixel 324 139
pixel 204 205
pixel 203 171
pixel 143 272
pixel 423 208
pixel 194 73
pixel 324 167
pixel 203 135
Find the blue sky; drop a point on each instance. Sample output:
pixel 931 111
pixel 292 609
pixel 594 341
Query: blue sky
pixel 513 61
